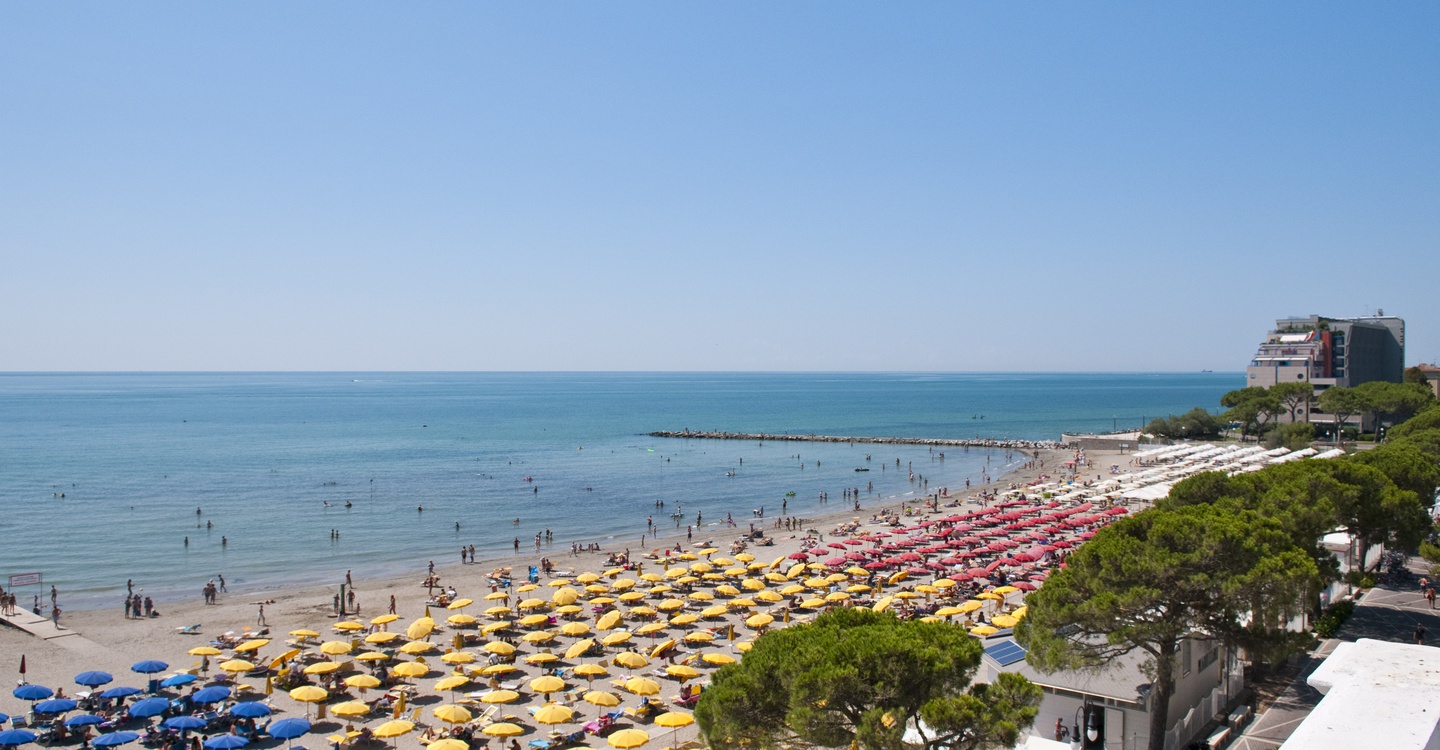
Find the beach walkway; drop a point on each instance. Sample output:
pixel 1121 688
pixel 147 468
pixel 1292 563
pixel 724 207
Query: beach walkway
pixel 42 628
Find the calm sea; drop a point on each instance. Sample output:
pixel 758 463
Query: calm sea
pixel 272 460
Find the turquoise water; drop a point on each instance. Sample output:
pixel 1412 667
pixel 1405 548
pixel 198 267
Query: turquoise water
pixel 262 454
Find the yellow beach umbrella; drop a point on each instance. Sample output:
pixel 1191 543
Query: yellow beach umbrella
pixel 642 686
pixel 944 583
pixel 726 589
pixel 495 627
pixel 452 682
pixel 384 619
pixel 658 651
pixel 393 729
pixel 348 625
pixel 497 611
pixel 323 667
pixel 643 611
pixel 336 648
pixel 496 596
pixel 718 610
pixel 575 628
pixel 703 596
pixel 449 743
pixel 948 612
pixel 759 621
pixel 499 696
pixel 569 609
pixel 744 646
pixel 363 681
pixel 602 699
pixel 533 604
pixel 632 596
pixel 553 713
pixel 252 645
pixel 616 638
pixel 530 621
pixel 451 714
pixel 1004 621
pixel 601 601
pixel 991 595
pixel 970 605
pixel 539 636
pixel 417 647
pixel 503 729
pixel 236 665
pixel 1003 590
pixel 541 658
pixel 527 588
pixel 769 596
pixel 699 637
pixel 717 658
pixel 350 709
pixel 591 671
pixel 652 578
pixel 813 603
pixel 836 596
pixel 558 582
pixel 631 660
pixel 670 605
pixel 499 647
pixel 579 648
pixel 621 584
pixel 983 630
pixel 883 604
pixel 625 739
pixel 609 621
pixel 409 669
pixel 683 671
pixel 547 684
pixel 745 557
pixel 309 694
pixel 461 619
pixel 304 633
pixel 382 637
pixel 1020 612
pixel 460 604
pixel 650 628
pixel 565 596
pixel 419 629
pixel 372 656
pixel 495 669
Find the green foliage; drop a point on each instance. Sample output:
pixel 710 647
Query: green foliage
pixel 1294 436
pixel 1416 375
pixel 857 676
pixel 1407 465
pixel 1328 624
pixel 1293 396
pixel 1394 402
pixel 1430 552
pixel 1253 408
pixel 1153 579
pixel 1196 423
pixel 1429 419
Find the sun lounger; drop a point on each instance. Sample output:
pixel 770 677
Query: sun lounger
pixel 189 629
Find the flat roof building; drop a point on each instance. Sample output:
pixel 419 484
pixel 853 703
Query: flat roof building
pixel 1330 351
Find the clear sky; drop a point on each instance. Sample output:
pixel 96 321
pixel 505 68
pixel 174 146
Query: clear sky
pixel 709 186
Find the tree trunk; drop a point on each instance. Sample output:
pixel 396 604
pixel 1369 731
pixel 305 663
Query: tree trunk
pixel 1159 702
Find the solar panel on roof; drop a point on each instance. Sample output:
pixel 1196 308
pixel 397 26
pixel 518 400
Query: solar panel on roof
pixel 1006 652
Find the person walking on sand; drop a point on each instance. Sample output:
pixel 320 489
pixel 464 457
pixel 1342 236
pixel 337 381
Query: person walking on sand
pixel 1430 596
pixel 55 617
pixel 260 618
pixel 1419 633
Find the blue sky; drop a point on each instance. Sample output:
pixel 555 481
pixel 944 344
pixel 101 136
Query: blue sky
pixel 724 186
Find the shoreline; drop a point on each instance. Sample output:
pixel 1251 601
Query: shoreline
pixel 977 442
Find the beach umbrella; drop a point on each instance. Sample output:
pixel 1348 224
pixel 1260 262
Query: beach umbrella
pixel 499 647
pixel 394 729
pixel 13 737
pixel 32 692
pixel 308 694
pixel 616 638
pixel 1004 621
pixel 539 636
pixel 700 637
pixel 449 743
pixel 579 648
pixel 642 686
pixel 55 706
pixel 451 682
pixel 409 669
pixel 541 658
pixel 683 671
pixel 983 630
pixel 225 742
pixel 236 665
pixel 460 604
pixel 336 648
pixel 115 739
pixel 499 696
pixel 383 636
pixel 718 658
pixel 591 671
pixel 93 679
pixel 255 644
pixel 288 729
pixel 84 720
pixel 547 684
pixel 495 669
pixel 419 629
pixel 363 681
pixel 149 666
pixel 674 720
pixel 631 660
pixel 213 694
pixel 451 714
pixel 759 621
pixel 350 709
pixel 250 710
pixel 608 621
pixel 627 738
pixel 575 628
pixel 553 713
pixel 156 706
pixel 177 680
pixel 461 619
pixel 304 633
pixel 503 729
pixel 124 691
pixel 204 651
pixel 184 723
pixel 602 699
pixel 370 656
pixel 417 647
pixel 660 650
pixel 530 621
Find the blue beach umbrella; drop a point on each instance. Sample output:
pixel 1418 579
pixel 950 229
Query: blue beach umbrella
pixel 149 707
pixel 250 710
pixel 225 742
pixel 84 720
pixel 289 729
pixel 32 692
pixel 4 718
pixel 210 695
pixel 55 706
pixel 13 737
pixel 183 723
pixel 149 666
pixel 124 691
pixel 178 680
pixel 114 739
pixel 92 679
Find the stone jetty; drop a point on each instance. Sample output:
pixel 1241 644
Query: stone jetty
pixel 775 438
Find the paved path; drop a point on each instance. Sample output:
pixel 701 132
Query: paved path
pixel 42 628
pixel 1382 615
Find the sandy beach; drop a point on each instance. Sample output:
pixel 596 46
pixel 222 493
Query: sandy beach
pixel 106 640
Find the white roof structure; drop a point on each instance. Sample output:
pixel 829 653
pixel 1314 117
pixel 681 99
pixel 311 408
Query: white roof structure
pixel 1332 453
pixel 1377 694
